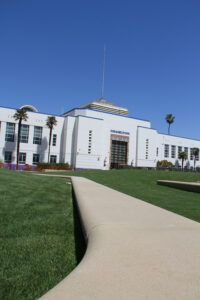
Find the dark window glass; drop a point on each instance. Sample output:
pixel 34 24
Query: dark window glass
pixel 166 151
pixel 22 158
pixel 8 157
pixel 191 154
pixel 24 133
pixel 10 132
pixel 36 158
pixel 37 138
pixel 173 151
pixel 54 139
pixel 53 159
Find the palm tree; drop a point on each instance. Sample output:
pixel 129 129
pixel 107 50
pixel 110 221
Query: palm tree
pixel 183 156
pixel 170 120
pixel 51 122
pixel 20 115
pixel 196 154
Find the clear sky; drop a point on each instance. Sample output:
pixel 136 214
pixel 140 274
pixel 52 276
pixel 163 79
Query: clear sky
pixel 51 56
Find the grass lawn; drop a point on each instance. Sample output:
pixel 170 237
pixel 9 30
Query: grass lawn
pixel 41 239
pixel 38 234
pixel 143 185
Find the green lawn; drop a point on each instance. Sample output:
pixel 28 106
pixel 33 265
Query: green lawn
pixel 143 185
pixel 41 240
pixel 38 234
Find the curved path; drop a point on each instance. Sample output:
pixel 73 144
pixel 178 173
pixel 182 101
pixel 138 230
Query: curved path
pixel 135 250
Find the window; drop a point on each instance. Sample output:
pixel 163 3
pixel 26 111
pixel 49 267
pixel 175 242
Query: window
pixel 157 151
pixel 179 149
pixel 54 139
pixel 191 154
pixel 53 159
pixel 197 156
pixel 173 151
pixel 166 151
pixel 24 133
pixel 36 158
pixel 22 158
pixel 147 148
pixel 8 157
pixel 10 132
pixel 186 150
pixel 90 142
pixel 37 138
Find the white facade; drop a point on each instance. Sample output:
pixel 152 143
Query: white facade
pixel 87 138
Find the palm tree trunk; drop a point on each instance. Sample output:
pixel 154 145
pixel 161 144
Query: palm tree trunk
pixel 182 164
pixel 169 129
pixel 18 142
pixel 194 162
pixel 50 136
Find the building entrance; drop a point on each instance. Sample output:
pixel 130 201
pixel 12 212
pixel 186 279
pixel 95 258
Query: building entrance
pixel 119 151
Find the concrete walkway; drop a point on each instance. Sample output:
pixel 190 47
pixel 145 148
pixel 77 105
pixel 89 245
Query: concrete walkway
pixel 187 186
pixel 135 250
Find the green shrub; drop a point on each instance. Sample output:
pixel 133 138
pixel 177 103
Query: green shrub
pixel 164 164
pixel 55 166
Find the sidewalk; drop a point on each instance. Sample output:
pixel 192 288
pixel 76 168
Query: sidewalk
pixel 135 250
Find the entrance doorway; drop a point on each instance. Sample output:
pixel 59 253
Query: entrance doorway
pixel 119 151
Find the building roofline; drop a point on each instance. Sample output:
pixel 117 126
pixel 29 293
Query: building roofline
pixel 35 112
pixel 182 137
pixel 147 128
pixel 105 112
pixel 84 117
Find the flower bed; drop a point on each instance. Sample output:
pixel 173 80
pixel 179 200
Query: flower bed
pixel 53 166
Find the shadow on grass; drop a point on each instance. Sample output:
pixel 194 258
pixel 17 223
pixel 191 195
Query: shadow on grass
pixel 80 244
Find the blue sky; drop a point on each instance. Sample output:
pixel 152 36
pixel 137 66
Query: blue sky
pixel 51 56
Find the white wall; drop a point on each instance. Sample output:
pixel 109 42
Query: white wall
pixel 93 160
pixel 73 133
pixel 34 119
pixel 146 150
pixel 127 126
pixel 177 141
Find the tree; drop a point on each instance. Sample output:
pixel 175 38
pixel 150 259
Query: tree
pixel 196 154
pixel 51 122
pixel 170 120
pixel 183 156
pixel 20 115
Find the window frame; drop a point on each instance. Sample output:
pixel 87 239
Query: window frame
pixel 180 149
pixel 7 134
pixel 173 151
pixel 24 138
pixel 22 155
pixel 35 162
pixel 54 140
pixel 53 161
pixel 10 160
pixel 166 150
pixel 90 141
pixel 191 154
pixel 37 139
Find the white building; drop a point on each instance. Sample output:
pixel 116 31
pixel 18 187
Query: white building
pixel 98 135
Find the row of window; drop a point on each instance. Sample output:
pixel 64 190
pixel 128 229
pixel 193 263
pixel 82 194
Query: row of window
pixel 22 158
pixel 147 148
pixel 180 149
pixel 37 136
pixel 90 142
